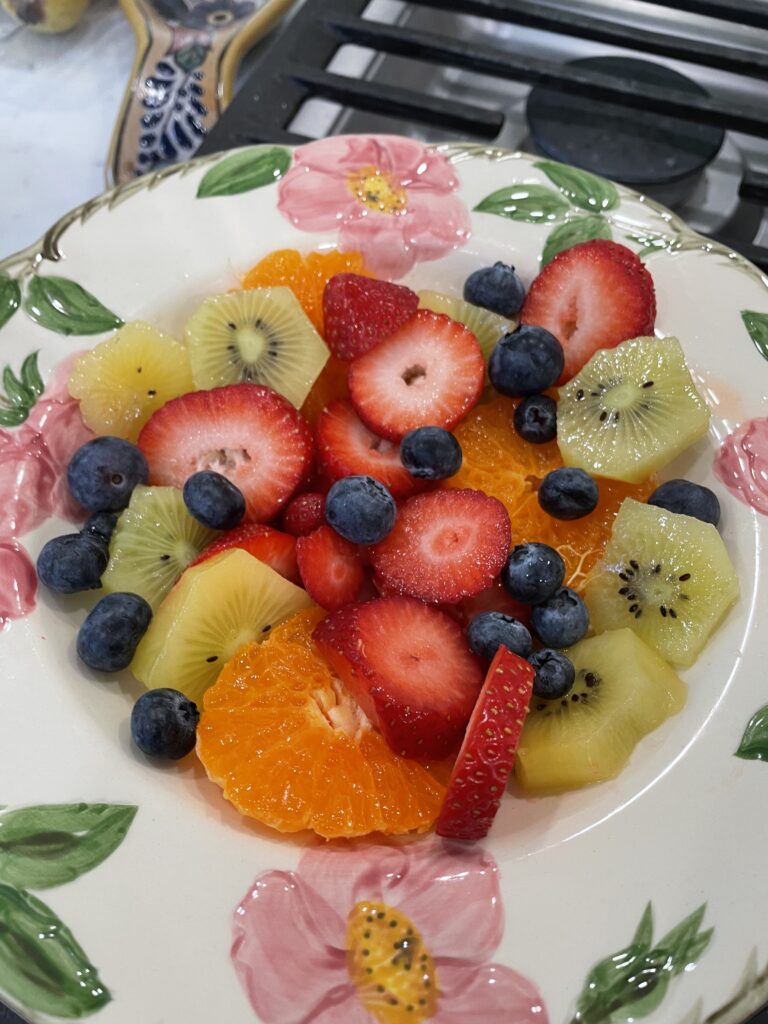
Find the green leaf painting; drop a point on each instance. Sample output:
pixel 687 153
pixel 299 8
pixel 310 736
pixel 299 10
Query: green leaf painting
pixel 42 966
pixel 757 326
pixel 580 229
pixel 754 742
pixel 585 190
pixel 243 172
pixel 49 845
pixel 18 394
pixel 61 305
pixel 631 983
pixel 532 204
pixel 10 297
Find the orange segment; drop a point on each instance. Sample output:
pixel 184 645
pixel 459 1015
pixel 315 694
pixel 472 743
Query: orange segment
pixel 306 276
pixel 498 461
pixel 289 748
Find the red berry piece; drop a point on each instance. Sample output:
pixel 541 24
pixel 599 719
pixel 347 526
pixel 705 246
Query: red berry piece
pixel 487 754
pixel 409 667
pixel 360 312
pixel 445 546
pixel 429 373
pixel 591 296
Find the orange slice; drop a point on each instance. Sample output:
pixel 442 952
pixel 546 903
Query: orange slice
pixel 290 748
pixel 498 461
pixel 306 276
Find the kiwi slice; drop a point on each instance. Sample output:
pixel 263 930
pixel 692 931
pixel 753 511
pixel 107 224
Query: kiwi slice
pixel 630 410
pixel 487 327
pixel 153 542
pixel 666 576
pixel 622 691
pixel 261 336
pixel 217 606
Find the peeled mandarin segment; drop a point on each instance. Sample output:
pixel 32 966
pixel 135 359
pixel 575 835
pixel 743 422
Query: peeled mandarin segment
pixel 623 690
pixel 288 747
pixel 123 380
pixel 306 276
pixel 498 461
pixel 216 608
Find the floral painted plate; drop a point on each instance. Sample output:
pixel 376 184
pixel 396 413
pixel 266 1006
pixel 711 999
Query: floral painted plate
pixel 135 893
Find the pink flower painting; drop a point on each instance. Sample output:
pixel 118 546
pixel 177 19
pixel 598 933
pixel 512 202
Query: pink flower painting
pixel 33 486
pixel 380 934
pixel 391 199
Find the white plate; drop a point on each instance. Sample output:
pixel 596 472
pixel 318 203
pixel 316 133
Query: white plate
pixel 683 825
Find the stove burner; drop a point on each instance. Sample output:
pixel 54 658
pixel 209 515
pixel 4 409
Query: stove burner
pixel 638 148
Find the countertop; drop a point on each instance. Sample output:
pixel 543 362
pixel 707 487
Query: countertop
pixel 59 96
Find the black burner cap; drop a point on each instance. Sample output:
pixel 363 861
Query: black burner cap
pixel 636 147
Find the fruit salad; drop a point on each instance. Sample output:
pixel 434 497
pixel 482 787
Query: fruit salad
pixel 372 552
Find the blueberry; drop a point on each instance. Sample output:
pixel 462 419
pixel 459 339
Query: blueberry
pixel 688 499
pixel 561 620
pixel 488 630
pixel 536 419
pixel 497 288
pixel 164 723
pixel 430 453
pixel 100 525
pixel 213 500
pixel 554 674
pixel 568 494
pixel 360 509
pixel 108 638
pixel 72 563
pixel 525 362
pixel 533 572
pixel 102 474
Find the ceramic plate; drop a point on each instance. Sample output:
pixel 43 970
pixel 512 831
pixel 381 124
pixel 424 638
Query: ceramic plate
pixel 135 893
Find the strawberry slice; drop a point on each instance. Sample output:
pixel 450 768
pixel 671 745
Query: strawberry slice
pixel 346 447
pixel 247 432
pixel 277 549
pixel 304 513
pixel 444 546
pixel 360 312
pixel 591 296
pixel 410 669
pixel 428 373
pixel 487 754
pixel 330 568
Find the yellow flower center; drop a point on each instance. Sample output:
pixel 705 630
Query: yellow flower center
pixel 377 190
pixel 389 965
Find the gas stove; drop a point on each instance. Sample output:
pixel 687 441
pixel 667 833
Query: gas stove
pixel 668 98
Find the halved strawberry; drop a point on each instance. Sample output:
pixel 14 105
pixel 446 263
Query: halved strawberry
pixel 304 513
pixel 591 296
pixel 360 312
pixel 444 546
pixel 277 549
pixel 247 432
pixel 346 447
pixel 479 777
pixel 429 373
pixel 409 667
pixel 330 567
